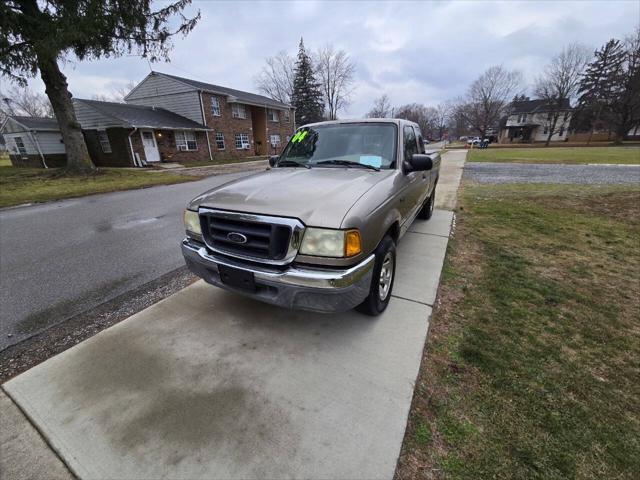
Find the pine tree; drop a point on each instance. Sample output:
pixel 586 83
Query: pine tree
pixel 307 96
pixel 610 89
pixel 597 87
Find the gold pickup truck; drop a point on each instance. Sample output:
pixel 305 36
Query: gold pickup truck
pixel 318 229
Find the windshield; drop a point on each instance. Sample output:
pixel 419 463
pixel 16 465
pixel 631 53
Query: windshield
pixel 370 144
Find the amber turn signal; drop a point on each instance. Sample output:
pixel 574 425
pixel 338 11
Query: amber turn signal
pixel 352 244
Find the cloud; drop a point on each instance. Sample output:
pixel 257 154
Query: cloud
pixel 425 52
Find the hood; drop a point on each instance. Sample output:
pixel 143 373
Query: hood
pixel 319 197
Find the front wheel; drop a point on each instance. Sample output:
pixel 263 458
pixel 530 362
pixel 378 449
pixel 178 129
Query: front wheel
pixel 384 272
pixel 427 209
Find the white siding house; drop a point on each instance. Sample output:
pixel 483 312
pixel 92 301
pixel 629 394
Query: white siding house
pixel 33 141
pixel 531 120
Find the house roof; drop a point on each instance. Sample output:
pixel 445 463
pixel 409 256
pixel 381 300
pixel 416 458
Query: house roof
pixel 142 116
pixel 535 106
pixel 36 123
pixel 238 95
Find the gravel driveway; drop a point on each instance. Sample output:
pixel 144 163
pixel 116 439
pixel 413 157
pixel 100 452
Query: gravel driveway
pixel 536 173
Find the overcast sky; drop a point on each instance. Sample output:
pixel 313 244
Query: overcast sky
pixel 424 52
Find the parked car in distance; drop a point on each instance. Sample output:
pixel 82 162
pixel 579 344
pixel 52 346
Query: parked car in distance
pixel 474 141
pixel 318 230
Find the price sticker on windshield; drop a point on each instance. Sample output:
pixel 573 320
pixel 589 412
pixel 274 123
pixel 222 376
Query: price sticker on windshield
pixel 371 160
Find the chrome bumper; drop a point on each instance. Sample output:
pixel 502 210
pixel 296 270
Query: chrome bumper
pixel 315 289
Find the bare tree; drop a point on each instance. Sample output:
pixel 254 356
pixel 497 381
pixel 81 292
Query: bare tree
pixel 381 108
pixel 276 77
pixel 122 91
pixel 117 95
pixel 101 97
pixel 488 98
pixel 335 72
pixel 441 116
pixel 560 83
pixel 417 113
pixel 24 101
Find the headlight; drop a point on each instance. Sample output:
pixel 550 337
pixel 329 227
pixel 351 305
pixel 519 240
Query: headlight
pixel 192 222
pixel 323 242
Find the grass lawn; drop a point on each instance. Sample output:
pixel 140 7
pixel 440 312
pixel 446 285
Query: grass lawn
pixel 220 161
pixel 575 155
pixel 532 366
pixel 25 185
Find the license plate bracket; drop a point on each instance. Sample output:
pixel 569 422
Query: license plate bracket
pixel 236 278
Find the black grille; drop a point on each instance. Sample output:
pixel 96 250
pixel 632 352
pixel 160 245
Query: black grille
pixel 264 240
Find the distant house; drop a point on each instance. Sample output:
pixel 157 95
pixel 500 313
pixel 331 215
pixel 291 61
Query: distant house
pixel 34 141
pixel 530 121
pixel 165 118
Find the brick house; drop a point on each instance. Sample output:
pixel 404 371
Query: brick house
pixel 238 123
pixel 165 118
pixel 123 135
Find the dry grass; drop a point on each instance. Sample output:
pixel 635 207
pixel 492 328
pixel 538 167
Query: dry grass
pixel 569 155
pixel 532 361
pixel 27 185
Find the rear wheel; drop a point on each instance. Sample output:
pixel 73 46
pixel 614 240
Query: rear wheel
pixel 427 208
pixel 382 279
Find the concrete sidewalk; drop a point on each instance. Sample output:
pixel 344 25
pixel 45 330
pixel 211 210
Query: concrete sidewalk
pixel 208 384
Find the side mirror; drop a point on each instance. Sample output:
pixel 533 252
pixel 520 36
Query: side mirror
pixel 273 160
pixel 419 163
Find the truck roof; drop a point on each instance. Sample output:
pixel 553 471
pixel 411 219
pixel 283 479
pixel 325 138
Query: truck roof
pixel 396 121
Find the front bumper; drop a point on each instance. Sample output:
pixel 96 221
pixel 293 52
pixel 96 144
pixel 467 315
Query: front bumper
pixel 316 289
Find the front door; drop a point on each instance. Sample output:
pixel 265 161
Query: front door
pixel 151 152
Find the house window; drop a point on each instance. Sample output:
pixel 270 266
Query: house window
pixel 561 132
pixel 104 141
pixel 524 117
pixel 238 110
pixel 186 141
pixel 286 115
pixel 242 141
pixel 20 145
pixel 272 115
pixel 274 140
pixel 215 107
pixel 546 130
pixel 220 140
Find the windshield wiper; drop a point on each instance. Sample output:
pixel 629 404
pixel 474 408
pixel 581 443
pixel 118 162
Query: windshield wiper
pixel 348 163
pixel 292 163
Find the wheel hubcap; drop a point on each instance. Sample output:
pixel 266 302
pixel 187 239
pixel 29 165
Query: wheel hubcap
pixel 386 276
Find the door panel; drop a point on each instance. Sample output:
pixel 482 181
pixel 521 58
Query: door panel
pixel 151 152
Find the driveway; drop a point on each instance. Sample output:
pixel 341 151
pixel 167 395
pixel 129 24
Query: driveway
pixel 209 384
pixel 551 173
pixel 62 258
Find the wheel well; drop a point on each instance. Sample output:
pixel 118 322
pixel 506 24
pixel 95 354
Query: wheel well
pixel 394 231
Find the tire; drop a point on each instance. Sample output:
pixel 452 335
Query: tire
pixel 377 300
pixel 427 209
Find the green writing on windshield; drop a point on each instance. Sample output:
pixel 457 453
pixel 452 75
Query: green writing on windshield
pixel 298 137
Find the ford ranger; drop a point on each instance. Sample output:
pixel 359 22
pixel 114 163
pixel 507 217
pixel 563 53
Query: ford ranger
pixel 318 229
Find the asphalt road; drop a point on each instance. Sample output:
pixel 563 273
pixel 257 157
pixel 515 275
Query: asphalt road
pixel 61 258
pixel 536 173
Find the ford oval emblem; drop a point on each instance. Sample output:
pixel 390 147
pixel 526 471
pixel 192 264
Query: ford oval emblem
pixel 236 237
